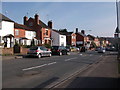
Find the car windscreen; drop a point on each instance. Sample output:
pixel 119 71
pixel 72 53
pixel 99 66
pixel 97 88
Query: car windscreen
pixel 33 48
pixel 55 47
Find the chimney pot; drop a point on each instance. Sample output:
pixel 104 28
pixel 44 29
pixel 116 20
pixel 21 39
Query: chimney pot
pixel 50 24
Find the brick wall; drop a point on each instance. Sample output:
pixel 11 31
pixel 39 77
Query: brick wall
pixel 10 51
pixel 23 50
pixel 7 51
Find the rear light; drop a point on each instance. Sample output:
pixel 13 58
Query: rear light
pixel 37 50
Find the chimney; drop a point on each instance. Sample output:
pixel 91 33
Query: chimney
pixel 82 31
pixel 76 30
pixel 50 24
pixel 25 20
pixel 36 18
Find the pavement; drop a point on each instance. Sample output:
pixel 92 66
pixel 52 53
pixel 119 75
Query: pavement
pixel 100 75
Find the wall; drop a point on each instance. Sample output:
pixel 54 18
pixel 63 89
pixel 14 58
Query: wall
pixel 7 28
pixel 21 33
pixel 55 37
pixel 62 39
pixel 30 34
pixel 7 51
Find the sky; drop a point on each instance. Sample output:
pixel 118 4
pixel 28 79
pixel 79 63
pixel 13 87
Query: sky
pixel 96 18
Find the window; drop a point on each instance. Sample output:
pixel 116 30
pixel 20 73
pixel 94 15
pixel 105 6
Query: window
pixel 46 32
pixel 16 32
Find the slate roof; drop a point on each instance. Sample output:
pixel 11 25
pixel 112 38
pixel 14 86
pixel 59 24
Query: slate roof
pixel 59 32
pixel 20 26
pixel 4 18
pixel 42 24
pixel 81 34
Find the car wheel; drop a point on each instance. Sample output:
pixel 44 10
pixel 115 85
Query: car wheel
pixel 60 53
pixel 39 56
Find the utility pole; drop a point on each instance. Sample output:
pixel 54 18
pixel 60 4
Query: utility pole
pixel 118 31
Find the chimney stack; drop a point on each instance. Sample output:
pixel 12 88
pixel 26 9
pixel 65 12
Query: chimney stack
pixel 36 18
pixel 50 24
pixel 25 20
pixel 76 30
pixel 83 31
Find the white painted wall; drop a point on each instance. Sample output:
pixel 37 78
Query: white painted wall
pixel 55 37
pixel 30 34
pixel 58 39
pixel 7 28
pixel 62 40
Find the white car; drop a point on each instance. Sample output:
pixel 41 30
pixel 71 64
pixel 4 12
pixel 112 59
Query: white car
pixel 38 51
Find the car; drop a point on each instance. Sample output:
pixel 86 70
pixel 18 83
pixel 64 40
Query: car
pixel 101 50
pixel 39 51
pixel 59 50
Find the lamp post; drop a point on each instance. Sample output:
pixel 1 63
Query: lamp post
pixel 118 30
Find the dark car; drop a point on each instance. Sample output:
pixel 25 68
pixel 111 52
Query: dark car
pixel 38 51
pixel 59 50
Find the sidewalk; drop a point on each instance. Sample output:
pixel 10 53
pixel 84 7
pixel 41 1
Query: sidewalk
pixel 12 57
pixel 101 75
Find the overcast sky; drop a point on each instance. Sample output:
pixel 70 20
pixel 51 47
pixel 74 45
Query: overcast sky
pixel 100 17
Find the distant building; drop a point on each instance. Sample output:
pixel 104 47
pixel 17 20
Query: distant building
pixel 94 39
pixel 81 38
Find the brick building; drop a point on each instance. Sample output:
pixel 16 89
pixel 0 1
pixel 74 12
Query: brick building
pixel 43 31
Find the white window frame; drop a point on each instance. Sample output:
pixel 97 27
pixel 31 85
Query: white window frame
pixel 16 32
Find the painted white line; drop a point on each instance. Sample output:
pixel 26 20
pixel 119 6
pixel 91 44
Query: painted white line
pixel 38 66
pixel 51 63
pixel 71 59
pixel 34 67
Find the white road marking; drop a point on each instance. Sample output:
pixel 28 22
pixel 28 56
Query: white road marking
pixel 71 59
pixel 51 63
pixel 38 66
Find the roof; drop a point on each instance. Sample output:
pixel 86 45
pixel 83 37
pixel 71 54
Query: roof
pixel 81 34
pixel 91 37
pixel 58 32
pixel 20 26
pixel 42 24
pixel 4 18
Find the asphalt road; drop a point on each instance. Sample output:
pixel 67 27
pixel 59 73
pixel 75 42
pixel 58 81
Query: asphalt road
pixel 45 72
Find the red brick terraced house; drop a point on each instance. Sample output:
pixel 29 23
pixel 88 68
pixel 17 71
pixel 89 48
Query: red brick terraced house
pixel 43 31
pixel 24 35
pixel 81 38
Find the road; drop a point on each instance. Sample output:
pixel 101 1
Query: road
pixel 47 71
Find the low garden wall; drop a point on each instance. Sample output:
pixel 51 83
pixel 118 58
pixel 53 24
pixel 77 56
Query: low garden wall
pixel 10 51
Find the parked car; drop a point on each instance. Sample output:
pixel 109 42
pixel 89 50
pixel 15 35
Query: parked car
pixel 73 49
pixel 59 50
pixel 39 51
pixel 101 50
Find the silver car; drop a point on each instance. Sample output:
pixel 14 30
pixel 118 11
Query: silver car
pixel 39 51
